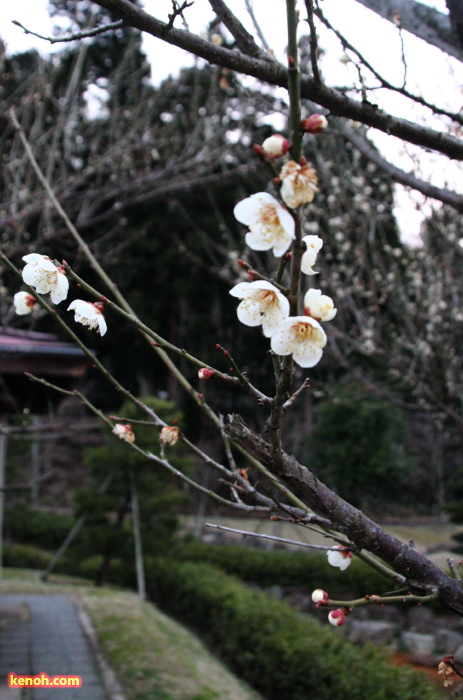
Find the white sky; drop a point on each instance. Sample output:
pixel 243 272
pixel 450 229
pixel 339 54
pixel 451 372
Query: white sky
pixel 429 72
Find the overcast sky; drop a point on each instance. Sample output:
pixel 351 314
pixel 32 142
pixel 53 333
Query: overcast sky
pixel 429 72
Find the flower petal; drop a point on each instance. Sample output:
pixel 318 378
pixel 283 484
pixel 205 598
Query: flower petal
pixel 246 210
pixel 32 258
pixel 61 289
pixel 262 304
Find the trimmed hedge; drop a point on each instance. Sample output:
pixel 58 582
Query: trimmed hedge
pixel 25 556
pixel 286 568
pixel 279 652
pixel 32 526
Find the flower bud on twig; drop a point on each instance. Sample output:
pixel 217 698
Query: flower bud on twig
pixel 337 617
pixel 315 124
pixel 276 146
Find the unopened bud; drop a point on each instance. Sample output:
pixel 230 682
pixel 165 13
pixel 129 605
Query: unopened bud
pixel 320 597
pixel 204 373
pixel 258 150
pixel 337 617
pixel 315 124
pixel 276 146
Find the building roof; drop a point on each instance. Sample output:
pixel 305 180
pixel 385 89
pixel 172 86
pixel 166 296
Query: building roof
pixel 29 351
pixel 42 354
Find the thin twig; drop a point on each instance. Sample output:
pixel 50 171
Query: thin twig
pixel 381 600
pixel 245 533
pixel 73 37
pixel 177 11
pixel 456 116
pixel 291 400
pixel 313 42
pixel 259 32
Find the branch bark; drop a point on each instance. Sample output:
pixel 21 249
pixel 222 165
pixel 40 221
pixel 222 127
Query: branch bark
pixel 273 73
pixel 421 574
pixel 397 174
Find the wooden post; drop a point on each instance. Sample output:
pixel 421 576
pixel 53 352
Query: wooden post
pixel 138 543
pixel 3 441
pixel 35 459
pixel 72 534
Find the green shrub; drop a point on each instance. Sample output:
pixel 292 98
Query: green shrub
pixel 359 439
pixel 285 568
pixel 32 526
pixel 25 556
pixel 121 573
pixel 279 652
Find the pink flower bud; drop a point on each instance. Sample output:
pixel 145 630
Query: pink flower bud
pixel 276 146
pixel 337 617
pixel 320 597
pixel 204 373
pixel 315 124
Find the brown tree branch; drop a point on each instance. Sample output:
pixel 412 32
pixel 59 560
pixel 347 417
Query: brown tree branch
pixel 421 574
pixel 273 73
pixel 244 40
pixel 397 174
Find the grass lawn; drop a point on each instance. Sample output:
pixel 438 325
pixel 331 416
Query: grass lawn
pixel 153 656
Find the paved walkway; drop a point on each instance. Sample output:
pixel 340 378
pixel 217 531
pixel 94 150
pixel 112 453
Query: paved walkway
pixel 42 633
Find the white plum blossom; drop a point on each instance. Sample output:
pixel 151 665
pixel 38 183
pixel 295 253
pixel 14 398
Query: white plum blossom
pixel 270 224
pixel 319 306
pixel 299 184
pixel 340 557
pixel 124 432
pixel 337 617
pixel 42 274
pixel 262 304
pixel 313 245
pixel 301 336
pixel 89 314
pixel 24 303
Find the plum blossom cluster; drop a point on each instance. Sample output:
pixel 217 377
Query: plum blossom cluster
pixel 43 275
pixel 272 227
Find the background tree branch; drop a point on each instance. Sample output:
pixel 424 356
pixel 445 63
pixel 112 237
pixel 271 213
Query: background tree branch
pixel 424 22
